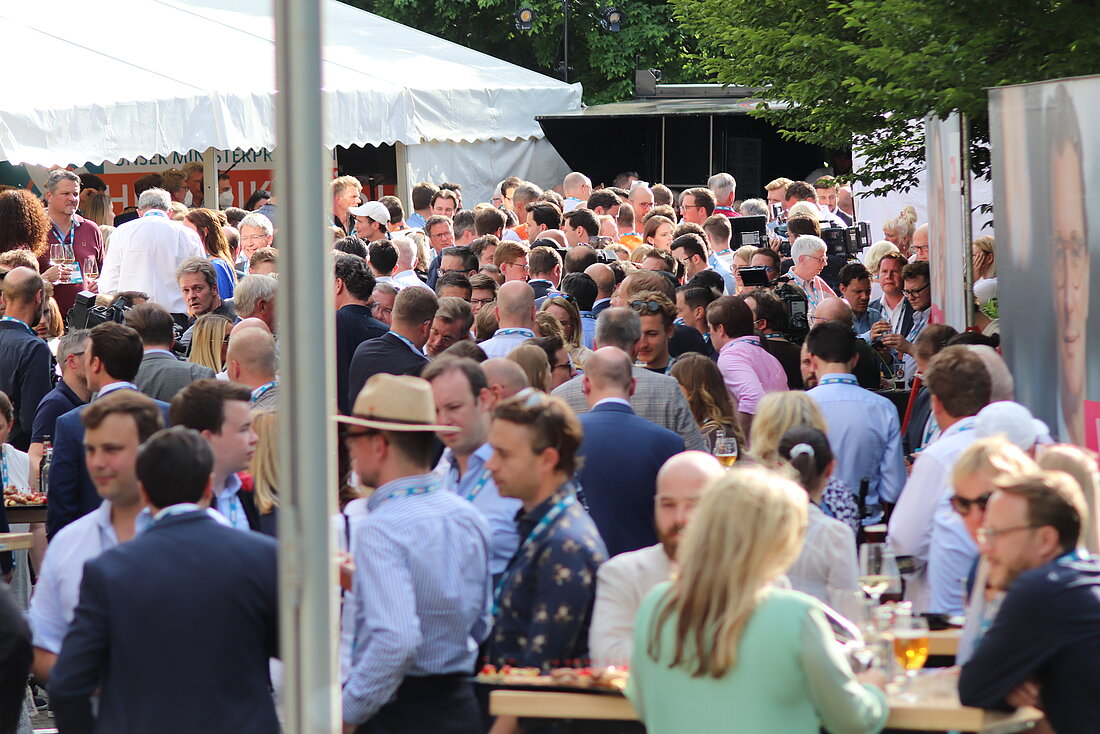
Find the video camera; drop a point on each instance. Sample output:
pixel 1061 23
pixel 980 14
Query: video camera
pixel 85 313
pixel 847 241
pixel 793 298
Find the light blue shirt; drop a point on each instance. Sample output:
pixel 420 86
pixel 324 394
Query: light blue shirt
pixel 499 512
pixel 58 587
pixel 422 587
pixel 229 504
pixel 920 320
pixel 505 340
pixel 588 325
pixel 862 324
pixel 414 220
pixel 865 435
pixel 951 555
pixel 720 267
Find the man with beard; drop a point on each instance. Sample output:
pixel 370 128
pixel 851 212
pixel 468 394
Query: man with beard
pixel 623 581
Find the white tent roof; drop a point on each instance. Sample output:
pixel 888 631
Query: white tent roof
pixel 118 79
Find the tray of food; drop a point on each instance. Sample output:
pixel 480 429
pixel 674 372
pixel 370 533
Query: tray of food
pixel 608 681
pixel 14 497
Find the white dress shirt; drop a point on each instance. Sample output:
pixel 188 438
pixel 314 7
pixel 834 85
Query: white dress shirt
pixel 505 340
pixel 827 562
pixel 910 531
pixel 144 255
pixel 621 584
pixel 407 278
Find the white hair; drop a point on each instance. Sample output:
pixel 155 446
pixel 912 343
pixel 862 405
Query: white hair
pixel 754 208
pixel 722 184
pixel 806 244
pixel 406 252
pixel 250 291
pixel 154 198
pixel 259 221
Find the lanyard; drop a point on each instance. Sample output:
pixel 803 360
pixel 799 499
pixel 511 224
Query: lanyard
pixel 155 213
pixel 180 509
pixel 4 467
pixel 407 341
pixel 813 293
pixel 511 332
pixel 539 530
pixel 838 380
pixel 234 508
pixel 14 320
pixel 748 339
pixel 62 239
pixel 263 390
pixel 409 491
pixel 472 493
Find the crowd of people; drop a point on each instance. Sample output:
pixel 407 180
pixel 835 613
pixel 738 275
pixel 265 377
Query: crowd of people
pixel 571 428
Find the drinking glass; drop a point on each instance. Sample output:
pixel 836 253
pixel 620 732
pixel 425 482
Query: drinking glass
pixel 878 572
pixel 725 449
pixel 91 269
pixel 57 254
pixel 910 646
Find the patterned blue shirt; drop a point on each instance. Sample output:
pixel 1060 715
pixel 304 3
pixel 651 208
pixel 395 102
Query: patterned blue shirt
pixel 422 589
pixel 546 596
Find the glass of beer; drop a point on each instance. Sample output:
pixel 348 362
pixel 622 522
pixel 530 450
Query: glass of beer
pixel 910 646
pixel 725 449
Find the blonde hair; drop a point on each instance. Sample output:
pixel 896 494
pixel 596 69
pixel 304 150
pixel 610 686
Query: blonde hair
pixel 903 225
pixel 777 413
pixel 640 253
pixel 778 183
pixel 745 253
pixel 876 252
pixel 265 462
pixel 532 360
pixel 97 207
pixel 992 457
pixel 177 211
pixel 985 266
pixel 747 530
pixel 805 209
pixel 208 339
pixel 1079 463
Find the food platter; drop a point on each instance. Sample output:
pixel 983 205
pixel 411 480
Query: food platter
pixel 609 681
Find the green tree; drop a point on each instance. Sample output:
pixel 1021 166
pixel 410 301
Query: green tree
pixel 859 72
pixel 602 61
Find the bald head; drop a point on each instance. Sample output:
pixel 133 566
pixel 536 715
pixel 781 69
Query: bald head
pixel 556 235
pixel 516 305
pixel 834 309
pixel 604 277
pixel 23 295
pixel 250 358
pixel 1003 385
pixel 252 323
pixel 608 374
pixel 688 471
pixel 505 378
pixel 577 185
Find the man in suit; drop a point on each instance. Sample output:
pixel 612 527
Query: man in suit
pixel 162 374
pixel 657 398
pixel 138 635
pixel 604 277
pixel 355 323
pixel 544 266
pixel 24 357
pixel 401 350
pixel 622 454
pixel 111 362
pixel 221 412
pixel 897 313
pixel 250 361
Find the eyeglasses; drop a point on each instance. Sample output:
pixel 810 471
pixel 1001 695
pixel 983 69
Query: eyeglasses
pixel 915 291
pixel 988 535
pixel 815 257
pixel 650 306
pixel 920 248
pixel 562 366
pixel 518 265
pixel 962 505
pixel 482 301
pixel 254 238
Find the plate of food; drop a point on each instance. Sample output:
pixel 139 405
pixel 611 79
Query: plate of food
pixel 15 497
pixel 609 681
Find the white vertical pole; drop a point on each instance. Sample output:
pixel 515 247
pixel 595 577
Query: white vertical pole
pixel 210 178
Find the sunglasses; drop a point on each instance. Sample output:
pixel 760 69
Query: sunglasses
pixel 962 505
pixel 650 306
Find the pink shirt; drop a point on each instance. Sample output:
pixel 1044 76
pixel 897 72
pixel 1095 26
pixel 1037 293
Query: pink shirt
pixel 749 372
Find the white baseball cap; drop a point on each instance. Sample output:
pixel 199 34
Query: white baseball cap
pixel 376 210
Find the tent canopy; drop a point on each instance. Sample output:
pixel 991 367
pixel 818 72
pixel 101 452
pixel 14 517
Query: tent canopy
pixel 120 79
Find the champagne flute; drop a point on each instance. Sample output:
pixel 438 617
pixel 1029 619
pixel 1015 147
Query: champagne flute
pixel 725 448
pixel 877 570
pixel 910 647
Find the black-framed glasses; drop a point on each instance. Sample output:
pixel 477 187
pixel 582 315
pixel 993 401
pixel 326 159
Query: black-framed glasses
pixel 649 305
pixel 962 505
pixel 915 291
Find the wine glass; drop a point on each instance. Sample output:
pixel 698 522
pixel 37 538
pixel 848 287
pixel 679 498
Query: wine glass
pixel 725 448
pixel 91 270
pixel 878 572
pixel 910 646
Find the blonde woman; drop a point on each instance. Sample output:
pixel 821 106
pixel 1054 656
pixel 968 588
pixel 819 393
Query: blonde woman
pixel 981 254
pixel 564 309
pixel 534 364
pixel 874 256
pixel 710 401
pixel 265 469
pixel 778 413
pixel 210 340
pixel 1079 463
pixel 547 324
pixel 899 230
pixel 720 644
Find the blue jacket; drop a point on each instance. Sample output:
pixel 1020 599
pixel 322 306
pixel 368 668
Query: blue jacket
pixel 622 454
pixel 176 628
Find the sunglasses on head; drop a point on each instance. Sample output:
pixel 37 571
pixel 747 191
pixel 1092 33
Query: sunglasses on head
pixel 651 306
pixel 962 505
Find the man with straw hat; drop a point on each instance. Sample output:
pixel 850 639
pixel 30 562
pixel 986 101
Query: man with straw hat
pixel 421 578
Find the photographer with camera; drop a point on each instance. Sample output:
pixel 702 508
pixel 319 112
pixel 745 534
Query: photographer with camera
pixel 771 320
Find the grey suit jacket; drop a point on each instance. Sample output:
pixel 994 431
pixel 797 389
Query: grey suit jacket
pixel 657 398
pixel 162 375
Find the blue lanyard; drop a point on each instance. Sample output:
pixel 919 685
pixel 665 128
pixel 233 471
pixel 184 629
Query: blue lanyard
pixel 511 332
pixel 543 526
pixel 155 213
pixel 474 491
pixel 748 339
pixel 410 492
pixel 263 390
pixel 838 380
pixel 171 510
pixel 14 320
pixel 234 508
pixel 65 240
pixel 4 467
pixel 407 341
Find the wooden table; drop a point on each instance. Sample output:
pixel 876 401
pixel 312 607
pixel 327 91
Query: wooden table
pixel 25 513
pixel 944 642
pixel 938 715
pixel 15 541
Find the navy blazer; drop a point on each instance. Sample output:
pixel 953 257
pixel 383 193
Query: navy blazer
pixel 386 353
pixel 354 325
pixel 622 454
pixel 176 627
pixel 71 494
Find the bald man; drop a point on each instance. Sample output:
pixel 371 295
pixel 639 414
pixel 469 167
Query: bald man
pixel 505 377
pixel 605 286
pixel 250 361
pixel 622 454
pixel 577 188
pixel 25 367
pixel 867 368
pixel 623 581
pixel 515 310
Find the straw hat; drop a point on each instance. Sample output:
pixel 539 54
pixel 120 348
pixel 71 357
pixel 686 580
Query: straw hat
pixel 395 403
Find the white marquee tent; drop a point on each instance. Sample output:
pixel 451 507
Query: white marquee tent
pixel 119 79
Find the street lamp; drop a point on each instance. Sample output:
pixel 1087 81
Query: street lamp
pixel 525 19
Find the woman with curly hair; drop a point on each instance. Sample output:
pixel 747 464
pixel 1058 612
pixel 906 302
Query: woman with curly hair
pixel 707 396
pixel 25 226
pixel 209 228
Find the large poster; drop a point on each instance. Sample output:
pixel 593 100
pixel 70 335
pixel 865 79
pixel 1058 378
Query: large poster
pixel 948 248
pixel 1046 172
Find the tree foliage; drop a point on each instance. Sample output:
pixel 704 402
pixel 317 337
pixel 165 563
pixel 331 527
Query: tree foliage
pixel 859 72
pixel 602 61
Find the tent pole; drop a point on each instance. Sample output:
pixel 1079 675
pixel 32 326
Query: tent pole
pixel 307 485
pixel 210 178
pixel 404 182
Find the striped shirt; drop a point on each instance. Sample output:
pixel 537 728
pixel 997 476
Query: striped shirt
pixel 422 588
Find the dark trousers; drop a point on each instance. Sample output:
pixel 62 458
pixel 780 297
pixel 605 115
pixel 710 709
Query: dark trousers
pixel 436 704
